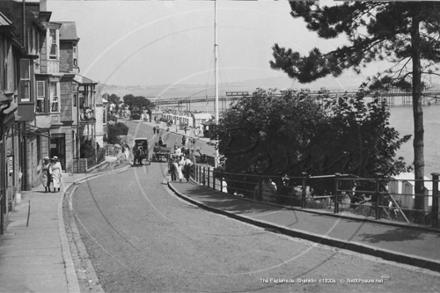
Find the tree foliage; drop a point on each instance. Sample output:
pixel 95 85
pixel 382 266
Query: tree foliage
pixel 115 99
pixel 138 102
pixel 406 34
pixel 298 132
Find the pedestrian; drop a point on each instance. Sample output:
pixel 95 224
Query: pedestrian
pixel 176 169
pixel 224 186
pixel 184 140
pixel 185 128
pixel 56 172
pixel 126 151
pixel 178 151
pixel 172 168
pixel 160 141
pixel 187 165
pixel 46 177
pixel 154 130
pixel 180 164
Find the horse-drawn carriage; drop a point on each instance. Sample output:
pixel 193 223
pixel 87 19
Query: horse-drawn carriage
pixel 140 151
pixel 161 151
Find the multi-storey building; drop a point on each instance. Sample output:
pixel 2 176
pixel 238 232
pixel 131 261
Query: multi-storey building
pixel 46 107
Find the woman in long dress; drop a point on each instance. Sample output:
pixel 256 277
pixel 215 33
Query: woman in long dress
pixel 180 164
pixel 46 177
pixel 56 172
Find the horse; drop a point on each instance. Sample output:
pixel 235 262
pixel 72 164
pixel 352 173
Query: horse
pixel 139 155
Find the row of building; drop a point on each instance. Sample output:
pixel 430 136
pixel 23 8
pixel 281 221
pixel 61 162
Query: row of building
pixel 46 107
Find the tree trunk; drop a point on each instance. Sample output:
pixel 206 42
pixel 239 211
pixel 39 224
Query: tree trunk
pixel 419 160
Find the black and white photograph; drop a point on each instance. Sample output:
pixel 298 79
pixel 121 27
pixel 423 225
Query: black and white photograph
pixel 185 146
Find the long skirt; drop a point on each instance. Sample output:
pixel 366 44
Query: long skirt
pixel 56 179
pixel 46 178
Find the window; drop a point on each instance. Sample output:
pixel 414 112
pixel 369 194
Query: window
pixel 34 45
pixel 75 56
pixel 25 83
pixel 53 50
pixel 54 101
pixel 41 96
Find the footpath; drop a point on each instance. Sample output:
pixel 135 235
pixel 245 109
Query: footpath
pixel 34 251
pixel 407 245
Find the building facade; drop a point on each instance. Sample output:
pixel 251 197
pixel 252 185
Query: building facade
pixel 46 107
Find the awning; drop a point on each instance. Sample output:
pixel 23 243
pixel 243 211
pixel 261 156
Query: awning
pixel 84 80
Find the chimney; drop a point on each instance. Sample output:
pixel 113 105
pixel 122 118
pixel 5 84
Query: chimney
pixel 43 5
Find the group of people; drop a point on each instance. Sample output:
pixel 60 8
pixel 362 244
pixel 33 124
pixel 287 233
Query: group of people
pixel 179 167
pixel 52 173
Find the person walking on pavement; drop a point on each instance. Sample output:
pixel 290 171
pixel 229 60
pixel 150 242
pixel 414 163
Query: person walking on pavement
pixel 46 177
pixel 187 168
pixel 154 130
pixel 56 173
pixel 172 168
pixel 127 151
pixel 180 162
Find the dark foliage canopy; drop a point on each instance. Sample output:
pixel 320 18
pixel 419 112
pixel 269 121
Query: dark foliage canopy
pixel 375 31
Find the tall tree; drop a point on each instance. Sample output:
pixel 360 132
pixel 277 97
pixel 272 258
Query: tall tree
pixel 138 102
pixel 115 99
pixel 404 33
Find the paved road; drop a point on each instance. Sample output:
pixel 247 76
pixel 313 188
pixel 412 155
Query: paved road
pixel 141 129
pixel 141 238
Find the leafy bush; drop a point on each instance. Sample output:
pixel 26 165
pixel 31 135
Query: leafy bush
pixel 114 131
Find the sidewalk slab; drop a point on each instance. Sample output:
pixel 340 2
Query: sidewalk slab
pixel 34 250
pixel 402 244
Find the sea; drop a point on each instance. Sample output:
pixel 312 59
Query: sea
pixel 401 119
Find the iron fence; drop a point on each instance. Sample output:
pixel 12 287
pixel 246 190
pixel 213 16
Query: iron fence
pixel 378 198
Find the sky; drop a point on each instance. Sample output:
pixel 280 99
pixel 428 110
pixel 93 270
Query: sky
pixel 151 43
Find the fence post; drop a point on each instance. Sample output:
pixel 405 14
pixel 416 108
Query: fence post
pixel 337 176
pixel 303 191
pixel 209 174
pixel 378 195
pixel 434 211
pixel 260 192
pixel 203 179
pixel 213 178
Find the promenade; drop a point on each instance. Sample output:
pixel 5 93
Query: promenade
pixel 401 244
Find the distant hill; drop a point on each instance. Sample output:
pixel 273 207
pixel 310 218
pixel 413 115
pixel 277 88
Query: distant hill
pixel 347 82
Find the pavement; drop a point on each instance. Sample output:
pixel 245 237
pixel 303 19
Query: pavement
pixel 399 243
pixel 34 250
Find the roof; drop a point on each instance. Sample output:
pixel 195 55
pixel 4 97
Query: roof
pixel 4 99
pixel 83 80
pixel 68 31
pixel 210 122
pixel 410 177
pixel 202 116
pixel 4 21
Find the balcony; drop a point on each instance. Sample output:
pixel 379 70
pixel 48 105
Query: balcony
pixel 87 114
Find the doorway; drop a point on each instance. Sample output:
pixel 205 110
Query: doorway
pixel 58 148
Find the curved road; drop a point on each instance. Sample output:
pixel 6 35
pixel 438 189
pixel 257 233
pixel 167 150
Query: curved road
pixel 142 238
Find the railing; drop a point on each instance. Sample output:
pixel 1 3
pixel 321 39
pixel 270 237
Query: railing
pixel 372 198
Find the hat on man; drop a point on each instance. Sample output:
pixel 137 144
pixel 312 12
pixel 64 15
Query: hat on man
pixel 46 158
pixel 55 158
